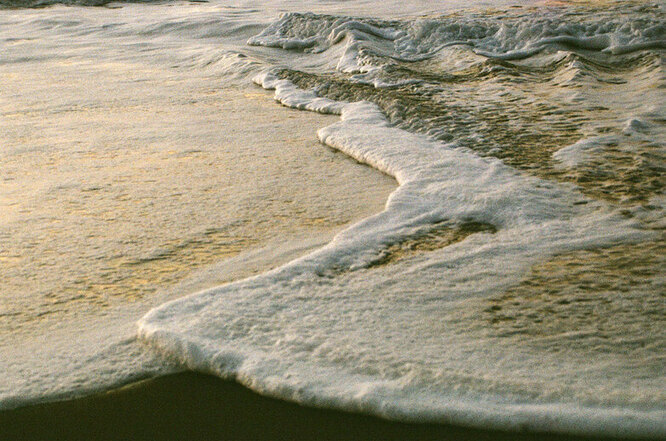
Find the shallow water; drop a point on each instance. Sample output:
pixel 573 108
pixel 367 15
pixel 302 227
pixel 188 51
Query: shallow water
pixel 111 179
pixel 125 184
pixel 515 278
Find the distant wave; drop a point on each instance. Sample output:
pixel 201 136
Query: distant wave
pixel 31 4
pixel 425 74
pixel 618 29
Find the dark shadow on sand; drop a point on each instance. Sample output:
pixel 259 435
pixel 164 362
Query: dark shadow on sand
pixel 192 406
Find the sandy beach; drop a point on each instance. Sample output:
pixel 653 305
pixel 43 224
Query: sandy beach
pixel 193 406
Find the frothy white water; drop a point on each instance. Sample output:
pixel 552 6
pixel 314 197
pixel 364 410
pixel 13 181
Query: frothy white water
pixel 403 315
pixel 340 328
pixel 498 35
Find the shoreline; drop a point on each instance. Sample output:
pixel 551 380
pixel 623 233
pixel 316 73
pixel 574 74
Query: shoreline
pixel 244 187
pixel 196 406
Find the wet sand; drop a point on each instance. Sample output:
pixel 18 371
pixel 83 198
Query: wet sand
pixel 191 406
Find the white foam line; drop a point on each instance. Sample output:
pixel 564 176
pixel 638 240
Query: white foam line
pixel 323 331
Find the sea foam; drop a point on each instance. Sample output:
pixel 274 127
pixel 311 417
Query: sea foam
pixel 354 327
pixel 621 28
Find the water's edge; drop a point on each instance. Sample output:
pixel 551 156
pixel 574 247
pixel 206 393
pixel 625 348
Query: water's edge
pixel 262 374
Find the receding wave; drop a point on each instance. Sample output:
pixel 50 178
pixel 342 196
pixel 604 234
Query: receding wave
pixel 518 87
pixel 514 279
pixel 486 119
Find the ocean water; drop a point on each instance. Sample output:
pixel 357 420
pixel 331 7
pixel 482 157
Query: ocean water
pixel 514 279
